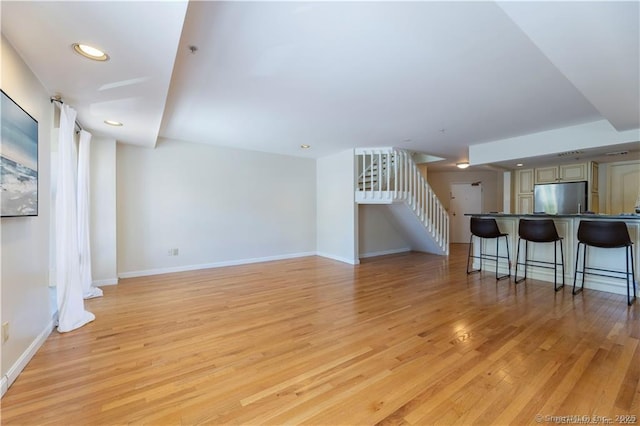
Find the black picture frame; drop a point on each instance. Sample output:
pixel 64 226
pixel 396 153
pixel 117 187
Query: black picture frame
pixel 18 160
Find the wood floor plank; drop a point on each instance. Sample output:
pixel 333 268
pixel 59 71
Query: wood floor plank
pixel 397 340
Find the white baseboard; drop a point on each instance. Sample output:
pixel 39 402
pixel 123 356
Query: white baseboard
pixel 15 370
pixel 4 386
pixel 133 274
pixel 109 281
pixel 340 259
pixel 384 253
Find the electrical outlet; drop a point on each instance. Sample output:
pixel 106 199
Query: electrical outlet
pixel 173 252
pixel 5 331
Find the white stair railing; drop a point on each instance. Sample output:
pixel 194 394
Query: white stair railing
pixel 376 172
pixel 388 175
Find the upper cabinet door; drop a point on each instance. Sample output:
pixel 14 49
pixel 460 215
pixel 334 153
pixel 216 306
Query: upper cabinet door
pixel 573 172
pixel 547 174
pixel 563 173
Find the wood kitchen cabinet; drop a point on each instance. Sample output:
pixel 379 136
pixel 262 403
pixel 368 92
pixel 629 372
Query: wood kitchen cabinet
pixel 562 173
pixel 524 191
pixel 526 179
pixel 594 195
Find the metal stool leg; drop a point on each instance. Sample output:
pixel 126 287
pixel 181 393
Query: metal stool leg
pixel 497 252
pixel 506 241
pixel 508 274
pixel 485 255
pixel 526 255
pixel 469 256
pixel 562 260
pixel 576 271
pixel 630 300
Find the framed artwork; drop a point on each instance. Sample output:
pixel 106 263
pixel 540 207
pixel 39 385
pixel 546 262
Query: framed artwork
pixel 18 160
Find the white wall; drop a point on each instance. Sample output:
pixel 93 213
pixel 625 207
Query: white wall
pixel 218 206
pixel 492 186
pixel 25 240
pixel 337 213
pixel 103 211
pixel 378 234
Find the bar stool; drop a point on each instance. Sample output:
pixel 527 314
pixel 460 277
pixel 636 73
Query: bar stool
pixel 487 228
pixel 604 234
pixel 539 231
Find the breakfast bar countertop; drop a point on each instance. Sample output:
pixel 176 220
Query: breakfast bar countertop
pixel 623 216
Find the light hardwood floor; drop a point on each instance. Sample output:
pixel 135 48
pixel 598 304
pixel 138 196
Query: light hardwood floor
pixel 401 339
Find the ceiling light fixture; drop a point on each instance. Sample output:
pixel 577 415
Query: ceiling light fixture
pixel 305 146
pixel 90 52
pixel 462 165
pixel 519 165
pixel 113 123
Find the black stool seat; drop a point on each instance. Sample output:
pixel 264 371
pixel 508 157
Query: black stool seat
pixel 539 231
pixel 608 235
pixel 488 228
pixel 485 228
pixel 604 234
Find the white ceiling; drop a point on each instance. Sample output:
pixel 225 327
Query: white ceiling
pixel 433 77
pixel 141 39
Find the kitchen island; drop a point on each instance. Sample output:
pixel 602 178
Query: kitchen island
pixel 567 226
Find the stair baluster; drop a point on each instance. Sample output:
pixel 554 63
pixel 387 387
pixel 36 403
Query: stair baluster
pixel 389 175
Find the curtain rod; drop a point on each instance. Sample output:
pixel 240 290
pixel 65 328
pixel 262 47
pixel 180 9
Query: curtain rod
pixel 59 102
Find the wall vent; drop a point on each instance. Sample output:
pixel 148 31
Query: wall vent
pixel 617 153
pixel 568 153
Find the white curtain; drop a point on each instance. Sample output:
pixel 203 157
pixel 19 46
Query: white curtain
pixel 71 312
pixel 84 246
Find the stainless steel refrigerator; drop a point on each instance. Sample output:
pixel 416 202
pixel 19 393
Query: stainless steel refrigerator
pixel 560 198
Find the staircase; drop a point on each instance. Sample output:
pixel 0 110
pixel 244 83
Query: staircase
pixel 390 176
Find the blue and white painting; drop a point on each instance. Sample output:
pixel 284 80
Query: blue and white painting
pixel 18 160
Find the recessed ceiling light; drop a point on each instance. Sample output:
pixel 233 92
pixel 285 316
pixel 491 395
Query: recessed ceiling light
pixel 462 165
pixel 90 52
pixel 305 146
pixel 113 123
pixel 519 165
